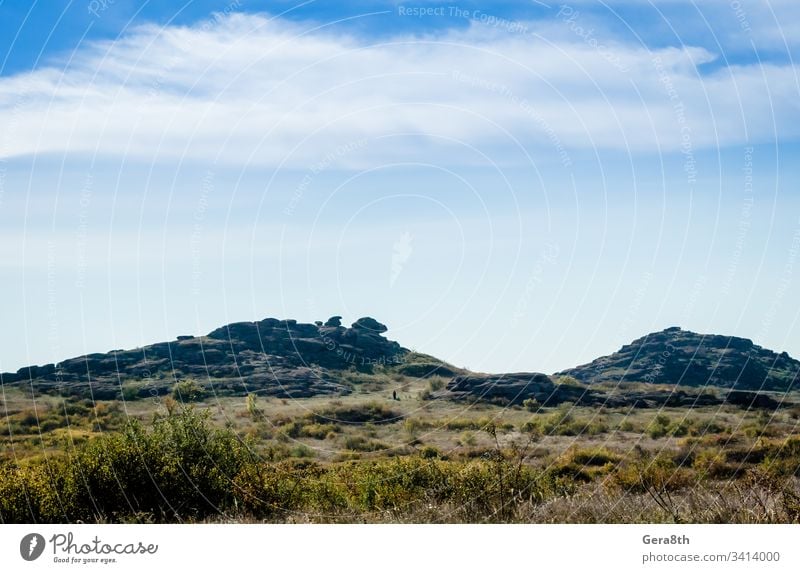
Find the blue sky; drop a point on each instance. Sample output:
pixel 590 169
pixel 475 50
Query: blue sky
pixel 509 186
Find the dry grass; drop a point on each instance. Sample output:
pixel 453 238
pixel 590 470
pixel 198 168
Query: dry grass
pixel 588 465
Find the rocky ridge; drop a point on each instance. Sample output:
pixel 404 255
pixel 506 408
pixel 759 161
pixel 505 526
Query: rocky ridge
pixel 273 357
pixel 683 358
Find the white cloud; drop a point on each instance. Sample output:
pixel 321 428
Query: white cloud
pixel 254 90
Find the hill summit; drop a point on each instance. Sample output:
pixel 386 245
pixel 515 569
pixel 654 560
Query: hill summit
pixel 288 359
pixel 274 357
pixel 684 358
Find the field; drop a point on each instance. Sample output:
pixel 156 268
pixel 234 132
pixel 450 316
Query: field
pixel 390 452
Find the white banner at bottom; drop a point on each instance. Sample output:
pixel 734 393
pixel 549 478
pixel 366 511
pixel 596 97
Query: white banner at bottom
pixel 400 548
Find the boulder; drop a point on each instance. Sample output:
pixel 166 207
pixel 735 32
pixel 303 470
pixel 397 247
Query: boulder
pixel 370 324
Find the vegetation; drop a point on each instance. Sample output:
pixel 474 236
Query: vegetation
pixel 181 467
pixel 188 391
pixel 375 459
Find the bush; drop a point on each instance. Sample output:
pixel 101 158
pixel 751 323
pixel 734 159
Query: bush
pixel 414 425
pixel 659 427
pixel 371 412
pixel 530 404
pixel 130 393
pixel 626 426
pixel 179 468
pixel 429 452
pixel 711 464
pixel 654 474
pixel 188 391
pixel 592 456
pixel 563 422
pixel 437 383
pixel 362 444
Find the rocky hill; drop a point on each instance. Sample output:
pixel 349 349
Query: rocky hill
pixel 542 390
pixel 288 359
pixel 680 357
pixel 674 367
pixel 274 357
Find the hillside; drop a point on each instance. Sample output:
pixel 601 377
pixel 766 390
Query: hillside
pixel 680 357
pixel 343 424
pixel 287 359
pixel 271 357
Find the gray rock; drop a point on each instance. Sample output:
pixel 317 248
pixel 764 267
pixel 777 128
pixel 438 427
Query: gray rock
pixel 370 324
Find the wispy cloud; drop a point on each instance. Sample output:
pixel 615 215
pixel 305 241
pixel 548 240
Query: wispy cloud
pixel 251 89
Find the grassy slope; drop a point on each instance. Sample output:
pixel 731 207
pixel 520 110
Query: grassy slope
pixel 580 464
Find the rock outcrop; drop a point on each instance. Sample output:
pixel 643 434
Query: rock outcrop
pixel 273 357
pixel 683 358
pixel 673 368
pixel 515 389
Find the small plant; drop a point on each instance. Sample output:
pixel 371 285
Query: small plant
pixel 436 383
pixel 467 439
pixel 625 426
pixel 253 410
pixel 412 426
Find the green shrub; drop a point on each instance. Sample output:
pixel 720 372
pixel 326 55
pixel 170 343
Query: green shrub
pixel 414 425
pixel 362 444
pixel 626 426
pixel 711 464
pixel 370 412
pixel 654 474
pixel 563 422
pixel 592 456
pixel 178 468
pixel 467 439
pixel 130 393
pixel 188 391
pixel 659 427
pixel 436 383
pixel 429 452
pixel 530 404
pixel 301 451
